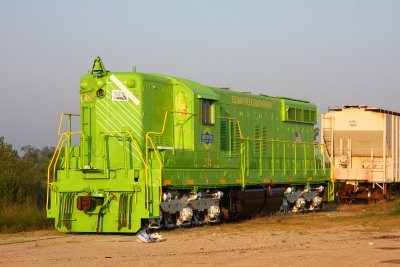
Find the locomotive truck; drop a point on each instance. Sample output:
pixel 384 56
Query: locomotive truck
pixel 159 151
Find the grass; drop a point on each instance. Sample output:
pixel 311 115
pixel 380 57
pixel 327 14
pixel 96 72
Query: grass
pixel 395 211
pixel 18 218
pixel 28 217
pixel 382 210
pixel 382 215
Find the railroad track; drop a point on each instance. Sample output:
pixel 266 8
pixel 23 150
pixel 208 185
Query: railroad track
pixel 16 240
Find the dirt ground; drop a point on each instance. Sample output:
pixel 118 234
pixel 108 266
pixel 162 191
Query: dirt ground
pixel 353 236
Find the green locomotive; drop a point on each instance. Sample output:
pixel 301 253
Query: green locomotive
pixel 156 151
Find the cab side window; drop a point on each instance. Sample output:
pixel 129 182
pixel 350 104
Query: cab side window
pixel 207 112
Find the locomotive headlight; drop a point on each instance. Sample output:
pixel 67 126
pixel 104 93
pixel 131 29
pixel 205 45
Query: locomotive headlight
pixel 130 83
pixel 100 83
pixel 100 93
pixel 83 85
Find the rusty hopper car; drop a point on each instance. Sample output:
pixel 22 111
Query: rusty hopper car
pixel 364 145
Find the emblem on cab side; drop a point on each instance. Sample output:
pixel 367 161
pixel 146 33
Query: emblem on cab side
pixel 207 138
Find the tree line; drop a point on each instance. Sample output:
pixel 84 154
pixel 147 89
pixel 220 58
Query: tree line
pixel 23 179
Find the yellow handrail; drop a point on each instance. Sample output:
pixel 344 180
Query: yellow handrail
pixel 57 158
pixel 57 152
pixel 60 143
pixel 322 146
pixel 62 119
pixel 133 139
pixel 158 158
pixel 148 138
pixel 54 160
pixel 160 163
pixel 332 169
pixel 145 162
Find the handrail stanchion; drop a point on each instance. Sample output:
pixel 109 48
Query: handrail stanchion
pixel 64 137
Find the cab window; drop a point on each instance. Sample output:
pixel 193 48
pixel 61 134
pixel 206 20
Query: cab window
pixel 207 112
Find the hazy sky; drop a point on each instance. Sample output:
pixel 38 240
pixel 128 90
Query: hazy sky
pixel 329 52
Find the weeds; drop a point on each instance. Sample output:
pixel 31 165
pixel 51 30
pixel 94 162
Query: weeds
pixel 24 217
pixel 395 211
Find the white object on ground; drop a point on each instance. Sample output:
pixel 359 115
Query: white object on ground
pixel 149 238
